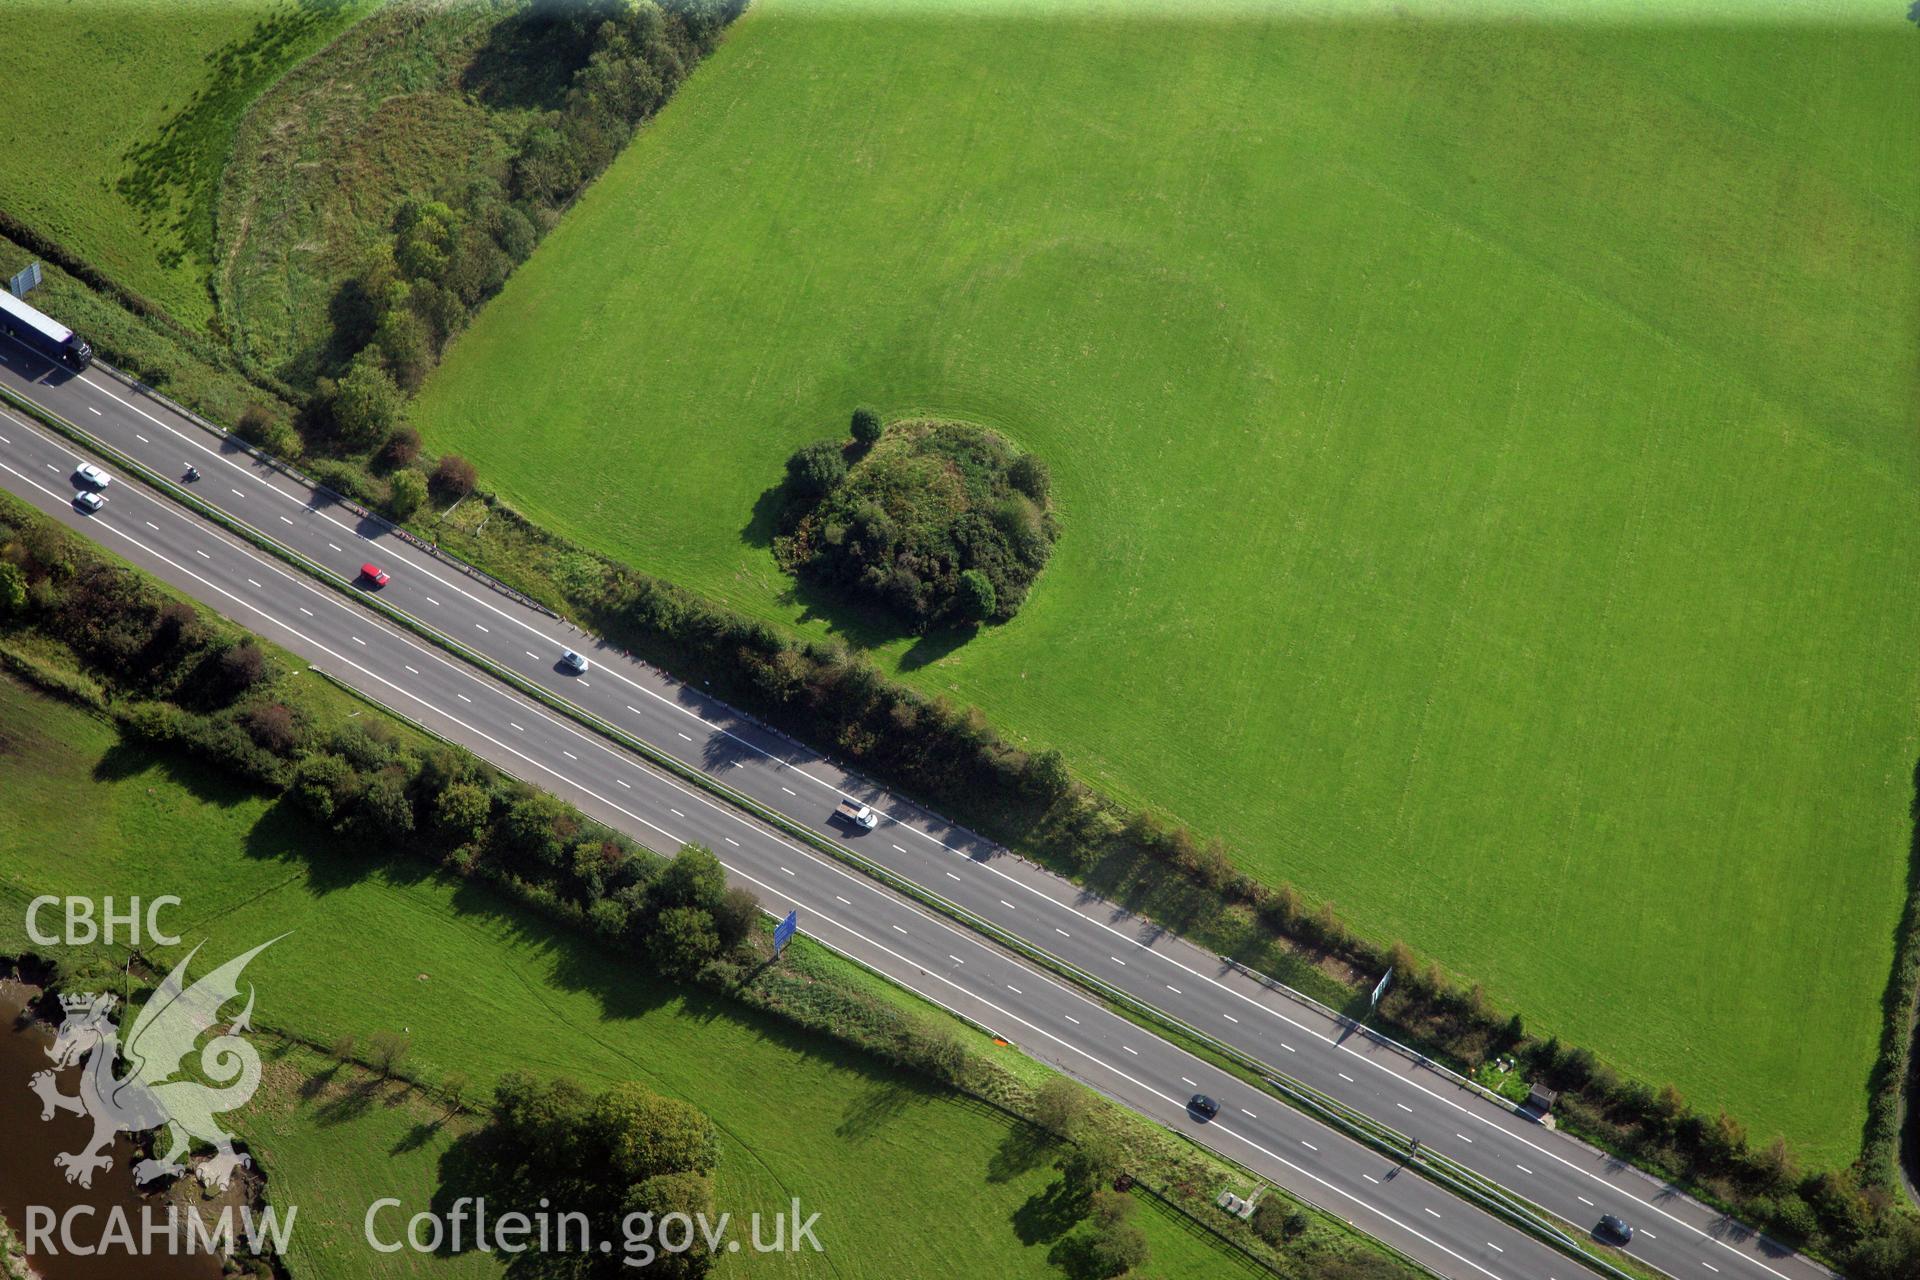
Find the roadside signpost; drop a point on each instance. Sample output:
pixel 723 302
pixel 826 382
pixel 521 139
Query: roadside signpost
pixel 27 280
pixel 1381 989
pixel 784 931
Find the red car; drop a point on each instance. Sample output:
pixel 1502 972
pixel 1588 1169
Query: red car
pixel 375 574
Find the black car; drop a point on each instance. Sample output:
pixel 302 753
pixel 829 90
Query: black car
pixel 1614 1229
pixel 1203 1106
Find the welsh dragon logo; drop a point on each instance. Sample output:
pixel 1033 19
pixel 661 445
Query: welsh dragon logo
pixel 157 1089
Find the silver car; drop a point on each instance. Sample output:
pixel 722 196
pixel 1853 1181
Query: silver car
pixel 88 500
pixel 574 662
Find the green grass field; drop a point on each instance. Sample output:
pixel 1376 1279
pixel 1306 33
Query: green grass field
pixel 907 1178
pixel 116 116
pixel 1485 453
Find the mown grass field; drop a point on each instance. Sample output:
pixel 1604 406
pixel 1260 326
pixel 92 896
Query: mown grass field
pixel 909 1180
pixel 116 116
pixel 1485 452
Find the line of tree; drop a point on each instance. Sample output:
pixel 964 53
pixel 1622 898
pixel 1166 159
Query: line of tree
pixel 449 252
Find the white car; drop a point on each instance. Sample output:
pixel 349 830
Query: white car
pixel 90 474
pixel 88 500
pixel 574 662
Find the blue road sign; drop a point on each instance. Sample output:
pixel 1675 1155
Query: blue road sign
pixel 783 933
pixel 27 281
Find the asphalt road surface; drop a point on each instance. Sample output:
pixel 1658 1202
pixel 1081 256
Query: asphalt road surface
pixel 949 964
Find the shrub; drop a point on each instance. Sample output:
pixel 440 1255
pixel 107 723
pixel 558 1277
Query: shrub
pixel 13 590
pixel 734 917
pixel 814 469
pixel 462 811
pixel 927 524
pixel 272 726
pixel 401 448
pixel 407 490
pixel 454 476
pixel 975 599
pixel 238 668
pixel 386 1050
pixel 866 426
pixel 1030 476
pixel 256 423
pixel 682 941
pixel 366 404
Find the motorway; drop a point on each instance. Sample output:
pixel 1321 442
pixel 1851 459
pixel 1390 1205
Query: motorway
pixel 952 965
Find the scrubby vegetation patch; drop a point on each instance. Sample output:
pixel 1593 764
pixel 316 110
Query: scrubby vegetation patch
pixel 940 523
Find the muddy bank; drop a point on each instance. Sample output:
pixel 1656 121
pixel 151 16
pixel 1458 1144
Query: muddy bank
pixel 29 1178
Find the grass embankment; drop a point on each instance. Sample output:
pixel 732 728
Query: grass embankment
pixel 1428 403
pixel 324 158
pixel 116 119
pixel 910 1179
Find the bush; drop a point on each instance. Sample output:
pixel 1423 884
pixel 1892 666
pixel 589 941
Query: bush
pixel 975 600
pixel 272 725
pixel 407 490
pixel 462 812
pixel 734 917
pixel 237 669
pixel 928 524
pixel 386 1050
pixel 366 405
pixel 682 941
pixel 454 477
pixel 401 448
pixel 866 426
pixel 13 590
pixel 814 469
pixel 256 423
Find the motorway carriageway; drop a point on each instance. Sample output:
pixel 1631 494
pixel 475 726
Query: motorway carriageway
pixel 1564 1176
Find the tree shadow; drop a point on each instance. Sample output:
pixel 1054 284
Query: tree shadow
pixel 332 862
pixel 418 1136
pixel 1900 1026
pixel 1025 1147
pixel 527 61
pixel 350 1104
pixel 1048 1214
pixel 935 645
pixel 128 758
pixel 876 1107
pixel 771 517
pixel 317 1082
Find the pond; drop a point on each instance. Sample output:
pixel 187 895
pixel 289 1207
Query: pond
pixel 29 1177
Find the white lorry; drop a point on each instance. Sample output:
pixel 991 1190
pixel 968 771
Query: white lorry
pixel 858 814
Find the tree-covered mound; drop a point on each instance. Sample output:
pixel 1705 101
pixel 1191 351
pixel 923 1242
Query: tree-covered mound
pixel 942 523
